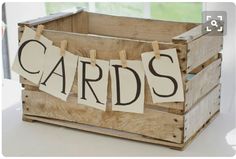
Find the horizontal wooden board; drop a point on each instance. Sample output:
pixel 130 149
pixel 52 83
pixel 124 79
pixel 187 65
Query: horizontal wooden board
pixel 201 113
pixel 202 49
pixel 153 123
pixel 104 131
pixel 202 83
pixel 136 28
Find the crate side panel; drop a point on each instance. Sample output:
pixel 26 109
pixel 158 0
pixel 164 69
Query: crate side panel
pixel 152 123
pixel 80 44
pixel 202 49
pixel 202 83
pixel 201 113
pixel 104 131
pixel 136 28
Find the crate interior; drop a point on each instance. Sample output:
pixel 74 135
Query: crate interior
pixel 118 26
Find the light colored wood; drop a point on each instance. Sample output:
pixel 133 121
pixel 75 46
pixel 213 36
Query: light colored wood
pixel 80 23
pixel 152 123
pixel 123 58
pixel 172 107
pixel 136 28
pixel 202 83
pixel 107 47
pixel 162 123
pixel 117 133
pixel 205 64
pixel 39 31
pixel 49 18
pixel 202 49
pixel 63 47
pixel 201 113
pixel 192 33
pixel 104 131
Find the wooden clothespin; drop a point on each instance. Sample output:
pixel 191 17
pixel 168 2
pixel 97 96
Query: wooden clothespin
pixel 63 47
pixel 39 31
pixel 93 57
pixel 122 54
pixel 156 49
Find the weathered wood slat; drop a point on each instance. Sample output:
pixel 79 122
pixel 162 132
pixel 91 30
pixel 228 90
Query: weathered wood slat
pixel 152 123
pixel 202 83
pixel 202 49
pixel 49 18
pixel 104 131
pixel 136 28
pixel 201 113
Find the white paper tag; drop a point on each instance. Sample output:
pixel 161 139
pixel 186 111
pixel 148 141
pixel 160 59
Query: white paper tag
pixel 31 54
pixel 127 86
pixel 164 76
pixel 92 83
pixel 59 72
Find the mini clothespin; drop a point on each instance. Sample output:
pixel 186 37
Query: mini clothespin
pixel 122 54
pixel 93 57
pixel 63 47
pixel 39 31
pixel 156 49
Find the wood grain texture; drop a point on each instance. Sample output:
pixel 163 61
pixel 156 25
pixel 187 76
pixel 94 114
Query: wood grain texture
pixel 136 28
pixel 104 131
pixel 49 18
pixel 152 123
pixel 201 113
pixel 202 49
pixel 193 33
pixel 107 48
pixel 202 83
pixel 80 23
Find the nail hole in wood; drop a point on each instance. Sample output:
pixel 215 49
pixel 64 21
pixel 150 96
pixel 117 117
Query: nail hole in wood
pixel 27 109
pixel 26 96
pixel 176 120
pixel 174 136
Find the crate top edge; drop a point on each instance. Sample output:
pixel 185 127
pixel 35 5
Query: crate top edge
pixel 50 17
pixel 60 15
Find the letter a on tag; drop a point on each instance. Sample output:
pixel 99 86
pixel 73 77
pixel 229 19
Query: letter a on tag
pixel 30 58
pixel 164 76
pixel 127 86
pixel 59 72
pixel 92 83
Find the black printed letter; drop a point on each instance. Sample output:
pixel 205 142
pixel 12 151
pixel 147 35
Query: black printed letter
pixel 164 76
pixel 86 80
pixel 20 53
pixel 138 82
pixel 63 74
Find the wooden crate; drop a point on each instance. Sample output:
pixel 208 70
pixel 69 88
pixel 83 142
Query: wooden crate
pixel 172 124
